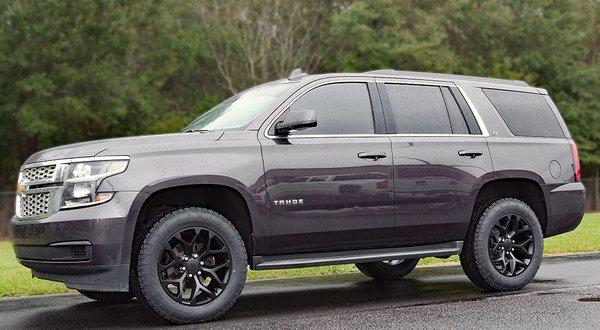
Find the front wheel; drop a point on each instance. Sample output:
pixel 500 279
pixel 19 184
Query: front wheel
pixel 388 270
pixel 504 246
pixel 192 266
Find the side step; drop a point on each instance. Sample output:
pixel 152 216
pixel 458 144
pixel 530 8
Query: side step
pixel 355 256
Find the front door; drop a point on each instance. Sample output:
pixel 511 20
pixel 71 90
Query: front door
pixel 330 187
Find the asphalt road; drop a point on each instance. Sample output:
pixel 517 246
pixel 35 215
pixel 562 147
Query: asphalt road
pixel 565 294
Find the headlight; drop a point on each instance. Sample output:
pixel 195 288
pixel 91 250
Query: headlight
pixel 82 180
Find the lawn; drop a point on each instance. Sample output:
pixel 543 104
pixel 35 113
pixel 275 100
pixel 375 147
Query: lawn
pixel 15 280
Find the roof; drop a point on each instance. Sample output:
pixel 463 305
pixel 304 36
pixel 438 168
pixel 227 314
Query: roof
pixel 444 76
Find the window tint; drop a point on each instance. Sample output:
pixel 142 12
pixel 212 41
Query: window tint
pixel 457 120
pixel 466 111
pixel 525 114
pixel 418 109
pixel 343 108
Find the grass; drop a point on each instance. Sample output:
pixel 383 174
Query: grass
pixel 15 280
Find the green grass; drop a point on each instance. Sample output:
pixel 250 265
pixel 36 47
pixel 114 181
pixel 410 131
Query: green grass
pixel 15 280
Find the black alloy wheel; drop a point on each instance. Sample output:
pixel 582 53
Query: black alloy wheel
pixel 504 245
pixel 511 245
pixel 194 266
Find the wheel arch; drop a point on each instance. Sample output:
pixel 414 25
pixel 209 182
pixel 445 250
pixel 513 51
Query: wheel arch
pixel 526 186
pixel 203 191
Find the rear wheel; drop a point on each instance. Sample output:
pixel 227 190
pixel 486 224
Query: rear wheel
pixel 504 246
pixel 108 297
pixel 389 269
pixel 192 266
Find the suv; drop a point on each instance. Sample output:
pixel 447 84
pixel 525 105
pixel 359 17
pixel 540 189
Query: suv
pixel 378 169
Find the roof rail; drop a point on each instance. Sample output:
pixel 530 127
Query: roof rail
pixel 296 74
pixel 446 76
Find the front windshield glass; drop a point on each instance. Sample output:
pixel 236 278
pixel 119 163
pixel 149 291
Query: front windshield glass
pixel 239 110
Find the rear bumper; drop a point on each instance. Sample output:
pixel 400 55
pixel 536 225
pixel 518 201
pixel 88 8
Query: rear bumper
pixel 565 206
pixel 83 248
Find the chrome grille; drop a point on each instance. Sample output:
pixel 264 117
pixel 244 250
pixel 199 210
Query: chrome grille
pixel 40 173
pixel 36 204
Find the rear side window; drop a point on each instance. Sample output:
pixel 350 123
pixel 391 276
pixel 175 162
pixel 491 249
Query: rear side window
pixel 457 120
pixel 525 114
pixel 342 108
pixel 418 109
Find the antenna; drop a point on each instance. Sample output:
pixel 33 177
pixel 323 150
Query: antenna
pixel 295 74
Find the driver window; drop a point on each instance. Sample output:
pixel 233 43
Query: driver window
pixel 342 108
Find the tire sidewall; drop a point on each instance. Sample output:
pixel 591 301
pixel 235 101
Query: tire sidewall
pixel 152 248
pixel 488 220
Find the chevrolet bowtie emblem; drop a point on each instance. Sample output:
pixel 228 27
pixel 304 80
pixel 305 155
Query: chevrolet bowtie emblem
pixel 21 188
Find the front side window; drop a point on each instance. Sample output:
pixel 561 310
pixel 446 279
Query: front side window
pixel 341 108
pixel 241 109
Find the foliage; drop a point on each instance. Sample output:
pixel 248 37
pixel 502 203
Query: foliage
pixel 81 70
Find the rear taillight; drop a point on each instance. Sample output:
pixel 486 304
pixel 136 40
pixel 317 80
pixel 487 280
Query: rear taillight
pixel 576 165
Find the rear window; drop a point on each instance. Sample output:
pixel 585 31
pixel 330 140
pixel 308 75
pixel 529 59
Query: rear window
pixel 525 114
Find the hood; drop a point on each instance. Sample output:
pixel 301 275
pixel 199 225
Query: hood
pixel 93 148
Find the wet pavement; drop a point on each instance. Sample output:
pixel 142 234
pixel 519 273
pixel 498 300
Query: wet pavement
pixel 564 294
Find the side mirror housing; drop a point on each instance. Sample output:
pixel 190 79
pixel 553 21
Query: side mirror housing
pixel 295 120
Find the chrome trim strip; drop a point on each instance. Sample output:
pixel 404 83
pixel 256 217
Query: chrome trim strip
pixel 345 257
pixel 475 112
pixel 484 131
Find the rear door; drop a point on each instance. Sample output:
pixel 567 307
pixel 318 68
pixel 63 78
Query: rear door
pixel 326 190
pixel 440 154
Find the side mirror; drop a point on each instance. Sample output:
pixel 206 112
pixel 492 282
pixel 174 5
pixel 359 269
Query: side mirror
pixel 295 120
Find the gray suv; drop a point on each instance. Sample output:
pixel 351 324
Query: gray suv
pixel 378 169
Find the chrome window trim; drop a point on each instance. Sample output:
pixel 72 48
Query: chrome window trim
pixel 475 112
pixel 285 106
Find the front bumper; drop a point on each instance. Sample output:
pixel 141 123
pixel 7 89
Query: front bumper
pixel 83 248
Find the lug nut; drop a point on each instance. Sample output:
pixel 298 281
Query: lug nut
pixel 201 263
pixel 190 275
pixel 199 272
pixel 185 258
pixel 195 256
pixel 182 268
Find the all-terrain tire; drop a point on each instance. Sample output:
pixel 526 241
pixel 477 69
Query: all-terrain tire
pixel 151 291
pixel 388 271
pixel 476 259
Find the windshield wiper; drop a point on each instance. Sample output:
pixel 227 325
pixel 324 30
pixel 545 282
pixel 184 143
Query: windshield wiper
pixel 196 131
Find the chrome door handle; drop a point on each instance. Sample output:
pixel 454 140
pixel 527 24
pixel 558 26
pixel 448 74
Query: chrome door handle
pixel 372 155
pixel 470 153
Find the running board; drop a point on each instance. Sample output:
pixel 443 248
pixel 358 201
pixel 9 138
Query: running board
pixel 355 256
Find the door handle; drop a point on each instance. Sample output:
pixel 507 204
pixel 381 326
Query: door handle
pixel 470 153
pixel 372 155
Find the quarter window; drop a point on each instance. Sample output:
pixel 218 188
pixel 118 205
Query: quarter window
pixel 342 108
pixel 525 114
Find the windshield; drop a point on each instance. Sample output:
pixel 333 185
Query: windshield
pixel 239 110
